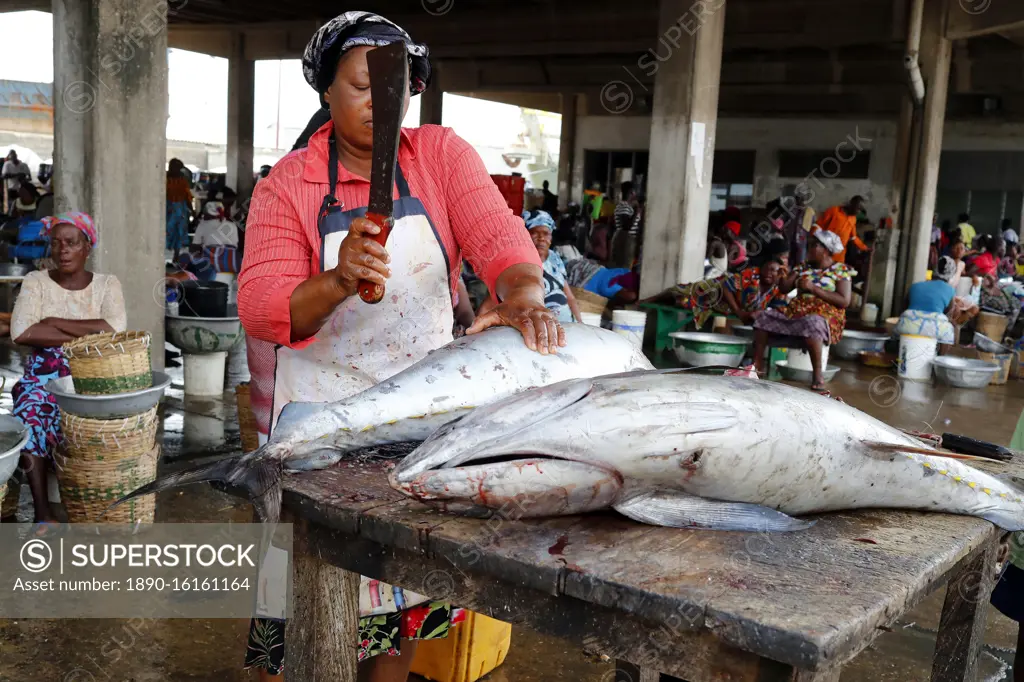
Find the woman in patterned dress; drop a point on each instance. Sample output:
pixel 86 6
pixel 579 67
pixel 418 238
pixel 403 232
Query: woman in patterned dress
pixel 817 316
pixel 54 307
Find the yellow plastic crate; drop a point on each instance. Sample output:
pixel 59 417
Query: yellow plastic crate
pixel 472 649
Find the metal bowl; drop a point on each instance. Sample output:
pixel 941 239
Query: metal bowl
pixel 805 375
pixel 114 406
pixel 13 436
pixel 854 343
pixel 697 349
pixel 14 269
pixel 963 372
pixel 198 335
pixel 987 345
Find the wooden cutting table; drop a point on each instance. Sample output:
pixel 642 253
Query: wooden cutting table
pixel 698 605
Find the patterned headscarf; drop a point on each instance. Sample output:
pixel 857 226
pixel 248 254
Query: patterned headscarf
pixel 354 29
pixel 543 218
pixel 80 220
pixel 830 240
pixel 945 269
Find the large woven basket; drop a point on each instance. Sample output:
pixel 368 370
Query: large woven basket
pixel 246 419
pixel 107 440
pixel 88 487
pixel 102 364
pixel 589 302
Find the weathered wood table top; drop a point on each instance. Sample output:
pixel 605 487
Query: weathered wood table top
pixel 811 599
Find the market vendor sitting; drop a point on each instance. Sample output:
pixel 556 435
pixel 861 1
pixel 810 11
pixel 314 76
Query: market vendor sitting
pixel 817 315
pixel 54 307
pixel 744 294
pixel 929 304
pixel 618 285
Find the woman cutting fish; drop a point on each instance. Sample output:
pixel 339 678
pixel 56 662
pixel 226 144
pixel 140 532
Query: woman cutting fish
pixel 308 245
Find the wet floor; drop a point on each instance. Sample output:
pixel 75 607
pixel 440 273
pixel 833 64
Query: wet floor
pixel 211 651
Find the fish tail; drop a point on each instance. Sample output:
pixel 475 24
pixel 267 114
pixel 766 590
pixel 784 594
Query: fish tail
pixel 259 476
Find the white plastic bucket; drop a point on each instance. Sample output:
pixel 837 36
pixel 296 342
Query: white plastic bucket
pixel 204 374
pixel 231 279
pixel 916 355
pixel 630 323
pixel 869 313
pixel 592 319
pixel 801 359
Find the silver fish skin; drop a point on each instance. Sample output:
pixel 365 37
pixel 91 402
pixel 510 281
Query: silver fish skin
pixel 472 371
pixel 469 372
pixel 692 451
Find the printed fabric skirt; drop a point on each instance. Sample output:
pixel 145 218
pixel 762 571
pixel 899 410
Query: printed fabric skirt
pixel 804 317
pixel 36 408
pixel 921 323
pixel 381 634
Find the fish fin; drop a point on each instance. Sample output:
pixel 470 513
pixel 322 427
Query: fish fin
pixel 885 451
pixel 261 478
pixel 682 510
pixel 292 415
pixel 520 410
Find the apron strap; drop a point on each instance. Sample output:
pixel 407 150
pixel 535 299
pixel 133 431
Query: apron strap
pixel 330 201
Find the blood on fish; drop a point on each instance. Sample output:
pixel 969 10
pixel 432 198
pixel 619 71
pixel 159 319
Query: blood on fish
pixel 559 546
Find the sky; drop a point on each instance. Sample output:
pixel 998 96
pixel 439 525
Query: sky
pixel 284 102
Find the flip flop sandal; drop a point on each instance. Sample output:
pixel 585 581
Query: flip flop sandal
pixel 46 529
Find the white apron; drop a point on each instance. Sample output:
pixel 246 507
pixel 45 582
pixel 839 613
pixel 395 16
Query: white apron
pixel 362 344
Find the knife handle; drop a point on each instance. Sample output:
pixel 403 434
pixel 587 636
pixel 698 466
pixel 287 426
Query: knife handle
pixel 369 291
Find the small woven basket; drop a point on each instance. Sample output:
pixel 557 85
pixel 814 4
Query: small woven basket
pixel 107 440
pixel 9 504
pixel 103 364
pixel 589 302
pixel 88 487
pixel 3 494
pixel 246 419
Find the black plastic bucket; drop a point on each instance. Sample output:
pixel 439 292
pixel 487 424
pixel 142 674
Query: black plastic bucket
pixel 203 299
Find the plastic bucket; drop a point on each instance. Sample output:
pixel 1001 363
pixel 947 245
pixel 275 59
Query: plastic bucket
pixel 801 359
pixel 869 313
pixel 916 355
pixel 592 319
pixel 204 374
pixel 231 279
pixel 203 299
pixel 630 323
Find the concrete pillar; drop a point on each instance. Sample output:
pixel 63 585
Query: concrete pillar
pixel 936 57
pixel 241 106
pixel 688 59
pixel 110 123
pixel 431 99
pixel 766 176
pixel 567 149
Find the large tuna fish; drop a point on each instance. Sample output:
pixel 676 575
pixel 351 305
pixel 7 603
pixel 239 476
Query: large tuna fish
pixel 450 381
pixel 690 451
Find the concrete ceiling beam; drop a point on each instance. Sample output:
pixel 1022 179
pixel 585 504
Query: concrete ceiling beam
pixel 969 18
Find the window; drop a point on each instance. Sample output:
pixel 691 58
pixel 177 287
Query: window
pixel 732 194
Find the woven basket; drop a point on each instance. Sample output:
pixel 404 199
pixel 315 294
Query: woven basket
pixel 102 364
pixel 3 494
pixel 9 505
pixel 246 419
pixel 88 487
pixel 108 440
pixel 589 302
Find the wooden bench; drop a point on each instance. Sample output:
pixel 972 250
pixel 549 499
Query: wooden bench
pixel 698 605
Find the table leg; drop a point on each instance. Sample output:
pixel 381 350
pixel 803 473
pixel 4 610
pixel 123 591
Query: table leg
pixel 627 672
pixel 321 637
pixel 962 627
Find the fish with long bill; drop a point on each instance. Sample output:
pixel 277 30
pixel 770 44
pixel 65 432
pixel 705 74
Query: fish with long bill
pixel 690 451
pixel 469 372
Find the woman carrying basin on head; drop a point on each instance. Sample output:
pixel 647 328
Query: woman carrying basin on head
pixel 308 244
pixel 817 316
pixel 54 307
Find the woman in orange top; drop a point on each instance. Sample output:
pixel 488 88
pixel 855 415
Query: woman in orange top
pixel 842 220
pixel 179 207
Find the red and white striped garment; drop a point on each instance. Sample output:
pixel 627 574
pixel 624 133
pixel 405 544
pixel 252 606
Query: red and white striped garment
pixel 282 243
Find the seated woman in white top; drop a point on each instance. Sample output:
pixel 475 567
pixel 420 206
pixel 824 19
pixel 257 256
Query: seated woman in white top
pixel 215 229
pixel 54 307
